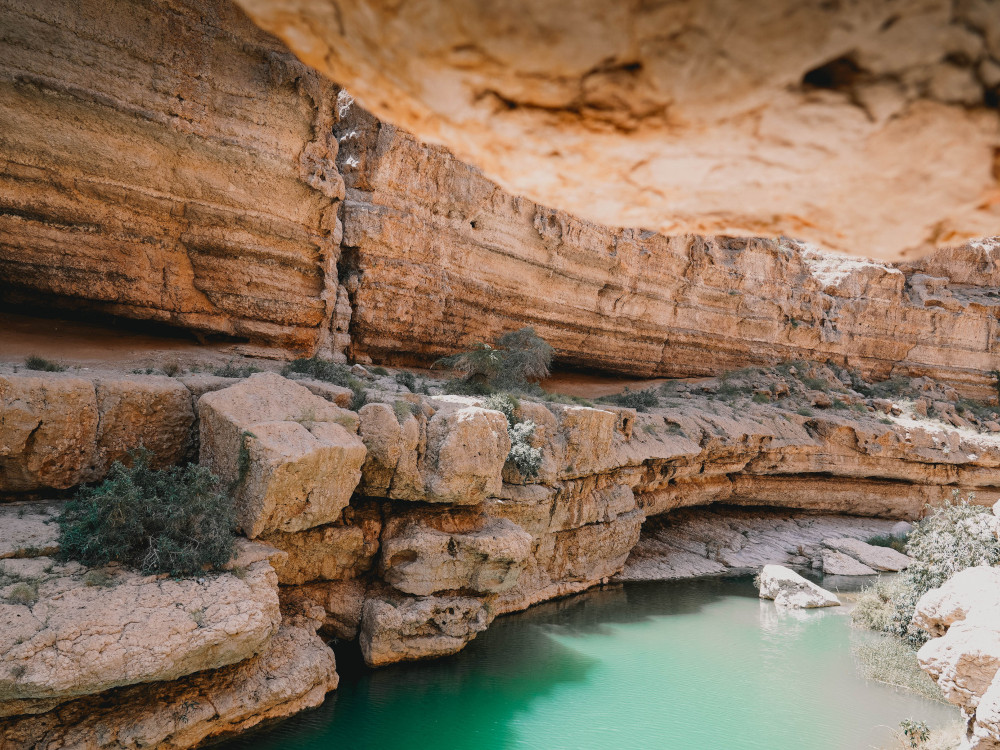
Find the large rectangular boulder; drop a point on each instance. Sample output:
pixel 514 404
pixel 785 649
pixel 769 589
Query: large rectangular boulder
pixel 285 453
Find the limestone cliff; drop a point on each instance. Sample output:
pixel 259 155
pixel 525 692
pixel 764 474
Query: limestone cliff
pixel 169 162
pixel 436 257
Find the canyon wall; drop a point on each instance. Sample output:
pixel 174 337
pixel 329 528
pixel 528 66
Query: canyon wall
pixel 181 166
pixel 437 257
pixel 167 162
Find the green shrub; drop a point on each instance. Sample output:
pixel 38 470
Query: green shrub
pixel 761 398
pixel 955 536
pixel 804 411
pixel 915 732
pixel 895 541
pixel 160 521
pixel 408 380
pixel 233 370
pixel 378 370
pixel 638 400
pixel 518 358
pixel 34 362
pixel 404 409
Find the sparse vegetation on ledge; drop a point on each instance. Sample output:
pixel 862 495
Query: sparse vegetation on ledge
pixel 173 520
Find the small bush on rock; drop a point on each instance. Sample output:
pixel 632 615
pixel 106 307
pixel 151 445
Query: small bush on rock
pixel 638 400
pixel 331 372
pixel 173 520
pixel 518 358
pixel 955 536
pixel 34 362
pixel 526 458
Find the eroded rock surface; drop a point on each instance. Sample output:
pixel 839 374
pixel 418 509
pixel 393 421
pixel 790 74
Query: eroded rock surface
pixel 176 166
pixel 60 429
pixel 283 450
pixel 964 656
pixel 294 673
pixel 628 300
pixel 395 629
pixel 68 634
pixel 812 121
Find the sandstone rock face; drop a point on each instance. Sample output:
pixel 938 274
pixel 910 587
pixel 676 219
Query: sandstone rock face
pixel 175 166
pixel 76 639
pixel 301 464
pixel 964 658
pixel 329 553
pixel 294 673
pixel 455 457
pixel 789 589
pixel 431 244
pixel 663 118
pixel 487 559
pixel 393 631
pixel 58 430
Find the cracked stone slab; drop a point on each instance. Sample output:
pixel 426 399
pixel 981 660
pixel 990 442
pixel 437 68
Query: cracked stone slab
pixel 66 632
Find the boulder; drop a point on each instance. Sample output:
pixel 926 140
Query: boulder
pixel 48 431
pixel 404 629
pixel 839 564
pixel 152 412
pixel 789 589
pixel 963 656
pixel 328 553
pixel 455 457
pixel 68 633
pixel 879 558
pixel 422 560
pixel 294 673
pixel 284 451
pixel 341 601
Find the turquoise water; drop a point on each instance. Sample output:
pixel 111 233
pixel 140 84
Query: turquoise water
pixel 680 666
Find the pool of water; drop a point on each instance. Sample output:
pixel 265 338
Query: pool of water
pixel 687 665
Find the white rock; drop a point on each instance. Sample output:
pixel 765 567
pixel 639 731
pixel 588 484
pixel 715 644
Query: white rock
pixel 880 558
pixel 839 564
pixel 789 589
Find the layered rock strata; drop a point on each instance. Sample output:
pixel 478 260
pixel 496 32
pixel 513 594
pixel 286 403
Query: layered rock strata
pixel 438 257
pixel 812 120
pixel 175 164
pixel 204 189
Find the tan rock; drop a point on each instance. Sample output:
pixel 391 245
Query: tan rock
pixel 48 431
pixel 294 673
pixel 963 656
pixel 211 207
pixel 152 412
pixel 419 559
pixel 78 639
pixel 403 629
pixel 341 601
pixel 839 564
pixel 327 553
pixel 880 558
pixel 29 529
pixel 455 457
pixel 301 465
